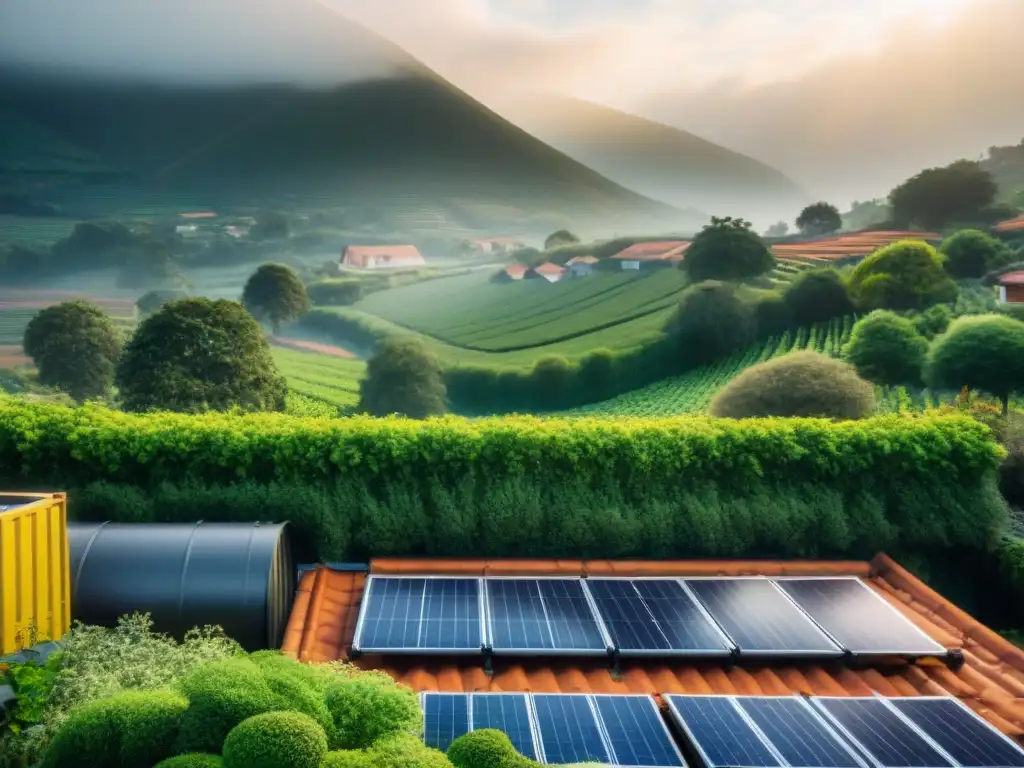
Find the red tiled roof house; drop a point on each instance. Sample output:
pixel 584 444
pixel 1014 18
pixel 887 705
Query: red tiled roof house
pixel 381 257
pixel 666 253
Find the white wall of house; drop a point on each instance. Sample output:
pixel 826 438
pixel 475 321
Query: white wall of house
pixel 581 270
pixel 1002 294
pixel 628 264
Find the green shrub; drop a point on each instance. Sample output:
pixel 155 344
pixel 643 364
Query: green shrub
pixel 797 384
pixel 348 758
pixel 817 295
pixel 276 740
pixel 908 274
pixel 365 710
pixel 192 760
pixel 712 321
pixel 337 292
pixel 405 751
pixel 485 748
pixel 972 253
pixel 887 349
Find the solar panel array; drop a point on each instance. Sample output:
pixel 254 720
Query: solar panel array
pixel 746 616
pixel 557 729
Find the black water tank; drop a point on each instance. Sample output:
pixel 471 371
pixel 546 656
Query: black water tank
pixel 240 576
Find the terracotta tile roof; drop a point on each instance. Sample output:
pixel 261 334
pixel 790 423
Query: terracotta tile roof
pixel 582 260
pixel 382 255
pixel 1012 278
pixel 848 246
pixel 1016 224
pixel 515 271
pixel 547 268
pixel 670 250
pixel 991 680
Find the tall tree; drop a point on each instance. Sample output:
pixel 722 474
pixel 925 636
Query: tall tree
pixel 195 355
pixel 779 229
pixel 937 197
pixel 819 219
pixel 275 293
pixel 75 347
pixel 727 249
pixel 904 275
pixel 561 237
pixel 403 378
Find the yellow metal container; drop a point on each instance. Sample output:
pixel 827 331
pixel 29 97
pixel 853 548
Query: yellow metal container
pixel 35 582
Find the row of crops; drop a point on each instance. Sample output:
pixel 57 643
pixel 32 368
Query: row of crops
pixel 15 317
pixel 326 378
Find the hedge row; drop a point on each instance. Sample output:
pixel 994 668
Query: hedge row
pixel 526 486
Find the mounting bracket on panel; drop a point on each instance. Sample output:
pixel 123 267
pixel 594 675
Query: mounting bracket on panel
pixel 613 663
pixel 488 654
pixel 954 659
pixel 733 659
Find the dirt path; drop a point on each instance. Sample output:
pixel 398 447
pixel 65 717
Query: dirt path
pixel 311 346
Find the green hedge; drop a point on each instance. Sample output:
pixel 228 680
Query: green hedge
pixel 526 486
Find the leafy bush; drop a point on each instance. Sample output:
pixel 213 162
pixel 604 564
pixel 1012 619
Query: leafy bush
pixel 797 384
pixel 904 275
pixel 484 748
pixel 403 378
pixel 338 293
pixel 711 322
pixel 973 253
pixel 727 249
pixel 933 321
pixel 347 758
pixel 192 760
pixel 132 729
pixel 772 315
pixel 405 751
pixel 887 349
pixel 364 710
pixel 276 740
pixel 817 295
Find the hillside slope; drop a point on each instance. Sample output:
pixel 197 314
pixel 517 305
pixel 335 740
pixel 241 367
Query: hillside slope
pixel 657 160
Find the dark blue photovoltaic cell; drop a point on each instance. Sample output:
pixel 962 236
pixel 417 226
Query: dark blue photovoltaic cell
pixel 856 618
pixel 961 733
pixel 883 734
pixel 451 614
pixel 441 614
pixel 539 614
pixel 568 730
pixel 445 718
pixel 636 732
pixel 628 620
pixel 507 713
pixel 679 617
pixel 721 733
pixel 797 733
pixel 759 618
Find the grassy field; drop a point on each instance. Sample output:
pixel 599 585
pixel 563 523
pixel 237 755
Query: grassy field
pixel 326 378
pixel 17 308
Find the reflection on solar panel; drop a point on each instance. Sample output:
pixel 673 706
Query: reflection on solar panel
pixel 963 735
pixel 436 614
pixel 636 733
pixel 654 615
pixel 445 718
pixel 881 733
pixel 797 732
pixel 568 729
pixel 542 614
pixel 760 619
pixel 722 736
pixel 860 620
pixel 507 713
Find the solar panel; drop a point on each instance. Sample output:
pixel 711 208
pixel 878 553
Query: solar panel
pixel 542 614
pixel 721 735
pixel 636 733
pixel 760 619
pixel 445 718
pixel 797 732
pixel 435 614
pixel 654 615
pixel 881 733
pixel 508 713
pixel 963 735
pixel 859 619
pixel 568 728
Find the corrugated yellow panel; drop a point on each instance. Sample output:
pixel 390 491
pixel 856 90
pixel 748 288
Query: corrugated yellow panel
pixel 35 583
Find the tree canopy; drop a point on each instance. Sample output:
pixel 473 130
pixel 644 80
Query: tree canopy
pixel 937 197
pixel 887 349
pixel 151 302
pixel 984 352
pixel 819 219
pixel 797 384
pixel 75 347
pixel 403 377
pixel 908 274
pixel 561 237
pixel 778 229
pixel 973 253
pixel 275 293
pixel 711 322
pixel 195 355
pixel 727 249
pixel 817 295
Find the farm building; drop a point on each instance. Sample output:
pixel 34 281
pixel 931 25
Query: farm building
pixel 1011 287
pixel 660 254
pixel 546 271
pixel 496 245
pixel 381 257
pixel 581 266
pixel 192 215
pixel 1016 224
pixel 511 273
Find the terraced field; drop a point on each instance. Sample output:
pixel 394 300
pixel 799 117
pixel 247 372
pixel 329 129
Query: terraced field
pixel 329 379
pixel 17 308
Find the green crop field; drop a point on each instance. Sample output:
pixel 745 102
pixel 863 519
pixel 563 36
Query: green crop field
pixel 18 308
pixel 325 378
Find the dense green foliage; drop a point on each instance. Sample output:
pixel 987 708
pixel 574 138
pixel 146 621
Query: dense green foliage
pixel 192 760
pixel 712 322
pixel 937 197
pixel 727 249
pixel 905 275
pixel 983 352
pixel 365 709
pixel 819 219
pixel 559 238
pixel 405 751
pixel 275 293
pixel 195 355
pixel 484 748
pixel 887 349
pixel 817 295
pixel 973 253
pixel 276 740
pixel 338 292
pixel 504 487
pixel 151 302
pixel 933 321
pixel 403 378
pixel 347 758
pixel 75 347
pixel 797 384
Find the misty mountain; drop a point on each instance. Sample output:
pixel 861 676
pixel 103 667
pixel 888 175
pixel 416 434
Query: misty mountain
pixel 657 160
pixel 387 131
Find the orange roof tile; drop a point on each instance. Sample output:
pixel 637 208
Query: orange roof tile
pixel 1012 278
pixel 991 680
pixel 582 260
pixel 547 268
pixel 662 251
pixel 1011 225
pixel 377 255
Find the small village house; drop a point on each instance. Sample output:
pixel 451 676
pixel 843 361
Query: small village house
pixel 581 266
pixel 496 245
pixel 382 257
pixel 1011 287
pixel 546 271
pixel 511 273
pixel 646 255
